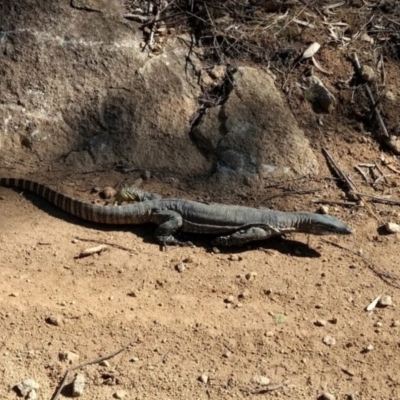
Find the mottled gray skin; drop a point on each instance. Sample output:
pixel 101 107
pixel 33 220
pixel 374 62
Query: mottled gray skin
pixel 232 224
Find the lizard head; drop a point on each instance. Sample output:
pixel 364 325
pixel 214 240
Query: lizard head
pixel 318 224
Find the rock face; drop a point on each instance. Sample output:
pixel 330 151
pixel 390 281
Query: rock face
pixel 253 131
pixel 76 87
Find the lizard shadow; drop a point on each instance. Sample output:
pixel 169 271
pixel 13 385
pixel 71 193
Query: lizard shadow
pixel 282 245
pixel 146 232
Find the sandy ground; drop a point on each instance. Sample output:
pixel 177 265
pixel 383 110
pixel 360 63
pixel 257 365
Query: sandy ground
pixel 229 316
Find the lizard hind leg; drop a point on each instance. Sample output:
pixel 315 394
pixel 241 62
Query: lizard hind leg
pixel 168 223
pixel 244 236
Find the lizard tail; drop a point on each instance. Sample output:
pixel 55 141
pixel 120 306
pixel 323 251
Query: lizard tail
pixel 80 209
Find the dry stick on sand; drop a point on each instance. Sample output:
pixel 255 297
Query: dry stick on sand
pixel 387 277
pixel 118 246
pixel 337 203
pixel 364 175
pixel 353 192
pixel 379 199
pixel 90 362
pixel 385 133
pixel 269 388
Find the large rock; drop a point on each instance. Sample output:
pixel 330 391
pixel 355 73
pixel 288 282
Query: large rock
pixel 253 132
pixel 76 87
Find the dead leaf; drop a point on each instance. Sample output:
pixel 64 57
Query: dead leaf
pixel 311 50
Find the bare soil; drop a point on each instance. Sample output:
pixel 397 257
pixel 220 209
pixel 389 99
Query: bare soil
pixel 185 325
pixel 180 324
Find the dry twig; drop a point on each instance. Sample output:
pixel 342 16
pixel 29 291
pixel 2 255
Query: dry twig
pixel 118 246
pixel 384 132
pixel 353 192
pixel 379 199
pixel 267 389
pixel 338 203
pixel 90 362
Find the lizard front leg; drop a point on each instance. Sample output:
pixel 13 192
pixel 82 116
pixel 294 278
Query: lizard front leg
pixel 168 223
pixel 251 234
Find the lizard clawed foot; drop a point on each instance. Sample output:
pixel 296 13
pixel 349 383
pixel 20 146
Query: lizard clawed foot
pixel 172 241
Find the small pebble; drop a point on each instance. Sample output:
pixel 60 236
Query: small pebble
pixel 395 324
pixel 385 301
pixel 188 260
pixel 32 395
pixel 131 293
pixel 251 275
pixel 378 324
pixel 391 227
pixel 230 299
pixel 146 175
pixel 105 363
pixel 369 348
pixel 203 378
pixel 390 95
pixel 227 354
pixel 14 294
pixel 234 257
pixel 323 210
pixel 327 396
pixel 180 267
pixel 320 322
pixel 244 295
pixel 367 73
pixel 120 394
pixel 261 380
pixel 78 385
pixel 329 340
pixel 26 386
pixel 55 320
pixel 108 193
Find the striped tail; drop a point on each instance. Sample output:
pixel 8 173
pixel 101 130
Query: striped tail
pixel 80 209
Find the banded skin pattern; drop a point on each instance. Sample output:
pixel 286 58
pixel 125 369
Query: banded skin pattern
pixel 236 224
pixel 86 211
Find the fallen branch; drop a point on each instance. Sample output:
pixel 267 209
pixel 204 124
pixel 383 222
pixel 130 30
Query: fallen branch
pixel 353 192
pixel 364 175
pixel 385 133
pixel 337 203
pixel 117 246
pixel 95 361
pixel 393 168
pixel 381 172
pixel 269 388
pixel 379 199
